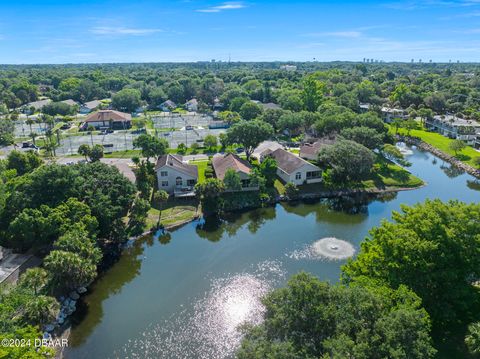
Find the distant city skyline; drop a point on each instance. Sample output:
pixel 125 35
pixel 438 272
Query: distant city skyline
pixel 87 31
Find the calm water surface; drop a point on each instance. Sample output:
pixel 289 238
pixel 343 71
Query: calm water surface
pixel 184 294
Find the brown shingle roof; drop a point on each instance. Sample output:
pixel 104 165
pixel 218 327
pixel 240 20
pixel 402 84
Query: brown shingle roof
pixel 311 150
pixel 175 161
pixel 222 163
pixel 287 161
pixel 108 115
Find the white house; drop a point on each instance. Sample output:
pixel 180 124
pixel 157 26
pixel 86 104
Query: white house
pixel 168 106
pixel 192 105
pixel 388 114
pixel 265 148
pixel 222 163
pixel 293 169
pixel 176 176
pixel 88 107
pixel 36 106
pixel 289 68
pixel 455 127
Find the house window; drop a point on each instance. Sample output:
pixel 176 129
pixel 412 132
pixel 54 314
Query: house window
pixel 191 182
pixel 179 181
pixel 313 174
pixel 163 174
pixel 298 175
pixel 245 183
pixel 164 183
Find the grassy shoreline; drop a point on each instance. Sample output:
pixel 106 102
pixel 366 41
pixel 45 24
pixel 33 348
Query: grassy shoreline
pixel 442 143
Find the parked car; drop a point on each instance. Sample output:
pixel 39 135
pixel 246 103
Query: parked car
pixel 240 149
pixel 29 145
pixel 189 127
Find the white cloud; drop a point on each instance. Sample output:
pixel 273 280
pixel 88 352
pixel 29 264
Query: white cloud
pixel 111 30
pixel 345 34
pixel 424 4
pixel 471 31
pixel 222 7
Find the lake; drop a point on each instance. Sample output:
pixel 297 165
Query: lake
pixel 184 294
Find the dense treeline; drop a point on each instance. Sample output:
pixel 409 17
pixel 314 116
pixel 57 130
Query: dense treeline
pixel 442 88
pixel 72 217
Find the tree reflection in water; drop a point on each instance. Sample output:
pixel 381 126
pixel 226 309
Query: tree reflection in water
pixel 346 209
pixel 475 184
pixel 451 171
pixel 214 228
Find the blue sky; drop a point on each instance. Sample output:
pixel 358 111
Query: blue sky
pixel 51 31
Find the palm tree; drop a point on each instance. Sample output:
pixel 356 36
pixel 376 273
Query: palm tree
pixel 51 145
pixel 41 310
pixel 160 197
pixel 91 129
pixel 84 150
pixel 397 123
pixel 30 122
pixel 34 278
pixel 33 136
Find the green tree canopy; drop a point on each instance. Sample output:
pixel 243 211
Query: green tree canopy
pixel 23 162
pixel 150 146
pixel 347 160
pixel 232 180
pixel 365 136
pixel 249 134
pixel 427 247
pixel 250 110
pixel 313 319
pixel 127 100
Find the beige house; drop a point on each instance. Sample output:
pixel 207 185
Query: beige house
pixel 222 163
pixel 175 176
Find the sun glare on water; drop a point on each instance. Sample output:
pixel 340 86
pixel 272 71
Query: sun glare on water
pixel 211 328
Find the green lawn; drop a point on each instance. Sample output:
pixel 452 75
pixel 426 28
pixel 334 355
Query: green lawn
pixel 174 212
pixel 279 186
pixel 201 165
pixel 123 154
pixel 467 155
pixel 385 174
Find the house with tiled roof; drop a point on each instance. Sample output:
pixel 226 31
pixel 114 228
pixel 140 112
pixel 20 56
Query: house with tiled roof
pixel 223 163
pixel 108 119
pixel 175 176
